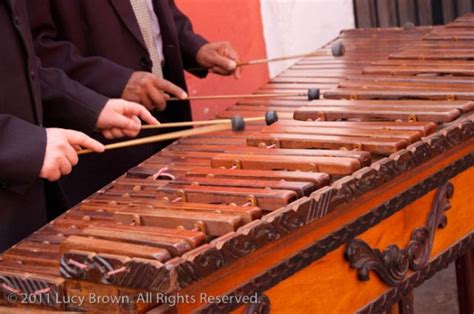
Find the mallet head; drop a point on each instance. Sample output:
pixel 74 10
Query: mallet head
pixel 238 123
pixel 313 93
pixel 338 49
pixel 271 117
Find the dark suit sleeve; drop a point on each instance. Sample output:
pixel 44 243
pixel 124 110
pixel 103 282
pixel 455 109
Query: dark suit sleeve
pixel 97 73
pixel 189 41
pixel 22 147
pixel 68 104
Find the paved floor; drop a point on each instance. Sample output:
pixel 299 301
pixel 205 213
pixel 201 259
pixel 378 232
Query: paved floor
pixel 438 295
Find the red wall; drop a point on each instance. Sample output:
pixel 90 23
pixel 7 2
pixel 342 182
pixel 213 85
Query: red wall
pixel 236 21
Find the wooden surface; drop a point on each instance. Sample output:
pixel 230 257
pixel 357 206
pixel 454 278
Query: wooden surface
pixel 330 276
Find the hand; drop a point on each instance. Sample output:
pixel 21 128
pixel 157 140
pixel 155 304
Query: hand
pixel 120 118
pixel 147 89
pixel 61 151
pixel 220 58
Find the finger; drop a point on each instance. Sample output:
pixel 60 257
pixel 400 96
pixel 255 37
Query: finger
pixel 135 110
pixel 158 99
pixel 235 56
pixel 78 138
pixel 232 54
pixel 220 71
pixel 53 175
pixel 170 88
pixel 107 134
pixel 71 155
pixel 132 133
pixel 147 102
pixel 64 166
pixel 117 133
pixel 238 73
pixel 123 121
pixel 223 63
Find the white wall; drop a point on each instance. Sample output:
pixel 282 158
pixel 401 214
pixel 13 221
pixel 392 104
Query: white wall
pixel 300 26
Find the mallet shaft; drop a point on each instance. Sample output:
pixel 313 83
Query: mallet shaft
pixel 215 97
pixel 196 123
pixel 164 137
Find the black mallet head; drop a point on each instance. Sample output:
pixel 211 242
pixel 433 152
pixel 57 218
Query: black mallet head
pixel 238 123
pixel 271 117
pixel 338 49
pixel 313 93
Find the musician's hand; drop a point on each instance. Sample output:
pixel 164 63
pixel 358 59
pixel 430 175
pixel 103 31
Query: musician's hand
pixel 220 58
pixel 61 152
pixel 121 118
pixel 149 90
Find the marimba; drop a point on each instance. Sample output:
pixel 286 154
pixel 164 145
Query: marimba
pixel 346 204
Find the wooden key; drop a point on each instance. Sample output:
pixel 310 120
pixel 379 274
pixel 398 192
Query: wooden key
pixel 330 165
pixel 415 86
pixel 193 238
pixel 213 150
pixel 319 179
pixel 17 266
pixel 301 188
pixel 380 146
pixel 139 236
pixel 32 256
pixel 411 136
pixel 398 94
pixel 247 213
pixel 413 70
pixel 368 114
pixel 461 105
pixel 425 128
pixel 416 79
pixel 263 198
pixel 82 243
pixel 215 141
pixel 210 223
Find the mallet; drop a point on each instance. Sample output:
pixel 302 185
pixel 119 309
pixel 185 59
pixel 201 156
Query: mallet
pixel 237 124
pixel 312 94
pixel 269 118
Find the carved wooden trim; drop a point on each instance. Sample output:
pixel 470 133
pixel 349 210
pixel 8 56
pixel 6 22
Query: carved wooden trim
pixel 415 279
pixel 15 287
pixel 393 263
pixel 323 246
pixel 117 270
pixel 223 251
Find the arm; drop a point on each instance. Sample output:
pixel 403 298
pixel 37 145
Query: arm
pixel 189 41
pixel 67 103
pixel 97 73
pixel 22 146
pixel 218 57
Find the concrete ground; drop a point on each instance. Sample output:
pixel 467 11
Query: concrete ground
pixel 438 295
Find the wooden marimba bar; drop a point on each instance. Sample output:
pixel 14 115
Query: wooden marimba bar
pixel 338 207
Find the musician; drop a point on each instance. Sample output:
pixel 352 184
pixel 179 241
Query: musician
pixel 29 151
pixel 134 49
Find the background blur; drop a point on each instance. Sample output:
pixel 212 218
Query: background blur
pixel 272 28
pixel 260 29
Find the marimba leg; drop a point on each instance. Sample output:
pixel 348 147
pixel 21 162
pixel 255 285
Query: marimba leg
pixel 465 282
